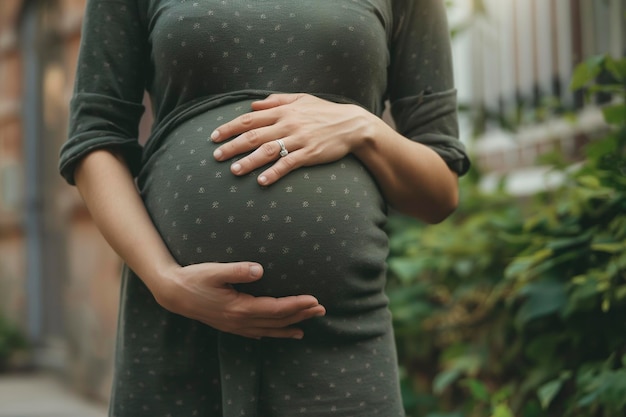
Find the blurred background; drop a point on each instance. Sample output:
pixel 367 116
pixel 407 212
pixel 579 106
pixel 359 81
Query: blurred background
pixel 515 306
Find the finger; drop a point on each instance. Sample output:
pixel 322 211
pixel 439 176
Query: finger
pixel 263 155
pixel 262 327
pixel 235 272
pixel 281 168
pixel 247 141
pixel 243 123
pixel 317 311
pixel 263 307
pixel 275 100
pixel 270 311
pixel 256 332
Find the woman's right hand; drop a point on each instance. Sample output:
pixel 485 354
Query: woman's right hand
pixel 204 292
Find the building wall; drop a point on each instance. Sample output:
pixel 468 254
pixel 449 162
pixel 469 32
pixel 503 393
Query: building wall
pixel 514 62
pixel 59 280
pixel 12 297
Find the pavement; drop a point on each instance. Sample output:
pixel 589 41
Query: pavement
pixel 43 395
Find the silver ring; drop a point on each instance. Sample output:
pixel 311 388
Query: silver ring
pixel 283 150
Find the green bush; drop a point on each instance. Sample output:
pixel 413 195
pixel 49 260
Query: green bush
pixel 518 308
pixel 11 341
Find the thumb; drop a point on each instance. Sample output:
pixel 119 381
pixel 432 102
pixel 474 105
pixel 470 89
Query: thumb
pixel 238 272
pixel 275 100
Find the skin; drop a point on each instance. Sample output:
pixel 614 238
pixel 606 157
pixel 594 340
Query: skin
pixel 203 291
pixel 415 181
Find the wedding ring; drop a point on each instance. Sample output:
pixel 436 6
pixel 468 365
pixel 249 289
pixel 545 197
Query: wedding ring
pixel 283 150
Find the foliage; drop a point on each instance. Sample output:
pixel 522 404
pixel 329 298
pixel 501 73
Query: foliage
pixel 519 308
pixel 11 341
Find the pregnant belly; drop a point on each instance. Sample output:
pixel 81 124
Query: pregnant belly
pixel 316 231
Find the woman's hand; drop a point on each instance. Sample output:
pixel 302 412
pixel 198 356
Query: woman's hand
pixel 314 131
pixel 414 179
pixel 204 292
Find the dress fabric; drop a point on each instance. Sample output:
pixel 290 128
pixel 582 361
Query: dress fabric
pixel 318 230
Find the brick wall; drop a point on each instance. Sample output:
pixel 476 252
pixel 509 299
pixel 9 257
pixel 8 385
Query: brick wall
pixel 12 262
pixel 78 286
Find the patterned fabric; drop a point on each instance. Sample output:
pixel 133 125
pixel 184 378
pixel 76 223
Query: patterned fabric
pixel 319 230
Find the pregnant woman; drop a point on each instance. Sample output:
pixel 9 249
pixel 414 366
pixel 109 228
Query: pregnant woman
pixel 252 221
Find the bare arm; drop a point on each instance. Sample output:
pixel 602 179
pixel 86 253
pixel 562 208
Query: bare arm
pixel 413 177
pixel 203 291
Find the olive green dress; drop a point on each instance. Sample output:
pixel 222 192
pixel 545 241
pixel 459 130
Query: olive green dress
pixel 318 230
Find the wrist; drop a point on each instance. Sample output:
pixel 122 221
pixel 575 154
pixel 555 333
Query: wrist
pixel 368 133
pixel 161 281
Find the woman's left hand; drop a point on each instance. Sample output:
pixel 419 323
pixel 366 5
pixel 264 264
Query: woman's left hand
pixel 313 131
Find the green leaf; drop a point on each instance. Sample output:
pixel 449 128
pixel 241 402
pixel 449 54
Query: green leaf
pixel 615 114
pixel 589 181
pixel 445 379
pixel 464 267
pixel 606 305
pixel 406 269
pixel 524 264
pixel 583 297
pixel 568 242
pixel 518 267
pixel 553 265
pixel 548 391
pixel 606 387
pixel 617 89
pixel 542 298
pixel 599 148
pixel 502 394
pixel 617 68
pixel 502 410
pixel 620 292
pixel 478 390
pixel 586 72
pixel 608 247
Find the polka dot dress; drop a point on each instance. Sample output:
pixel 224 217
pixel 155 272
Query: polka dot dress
pixel 318 230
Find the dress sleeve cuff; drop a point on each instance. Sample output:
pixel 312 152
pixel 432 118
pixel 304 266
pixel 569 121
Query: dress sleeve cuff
pixel 100 122
pixel 431 119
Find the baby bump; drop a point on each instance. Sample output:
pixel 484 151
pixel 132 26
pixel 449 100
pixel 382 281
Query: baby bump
pixel 318 230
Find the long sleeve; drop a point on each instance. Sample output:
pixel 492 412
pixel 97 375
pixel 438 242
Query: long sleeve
pixel 105 108
pixel 421 86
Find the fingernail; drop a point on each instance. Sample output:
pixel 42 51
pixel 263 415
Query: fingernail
pixel 297 336
pixel 256 271
pixel 217 154
pixel 235 168
pixel 320 314
pixel 215 135
pixel 262 180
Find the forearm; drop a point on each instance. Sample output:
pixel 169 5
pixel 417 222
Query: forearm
pixel 414 179
pixel 111 196
pixel 202 291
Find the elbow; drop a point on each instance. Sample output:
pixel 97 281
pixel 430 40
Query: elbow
pixel 442 211
pixel 431 204
pixel 445 202
pixel 434 211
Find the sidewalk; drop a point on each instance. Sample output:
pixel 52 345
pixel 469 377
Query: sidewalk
pixel 41 395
